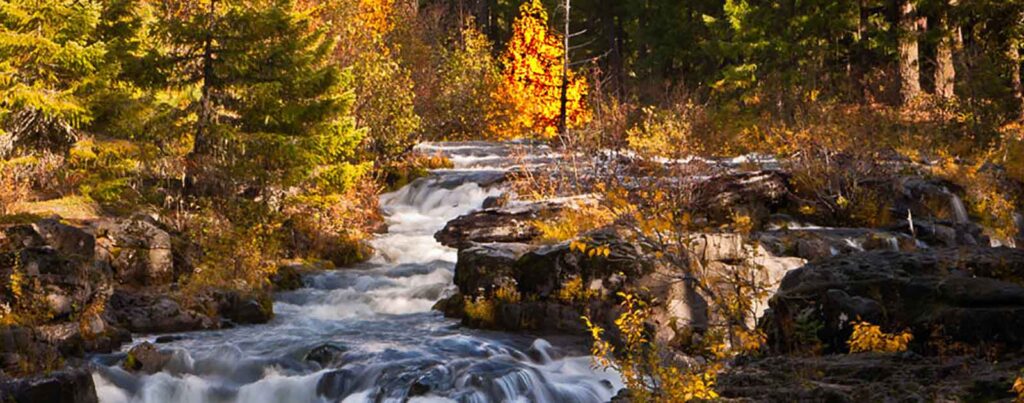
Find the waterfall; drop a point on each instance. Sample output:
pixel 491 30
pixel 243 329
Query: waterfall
pixel 376 319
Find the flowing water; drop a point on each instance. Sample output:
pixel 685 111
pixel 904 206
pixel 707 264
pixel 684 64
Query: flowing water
pixel 374 326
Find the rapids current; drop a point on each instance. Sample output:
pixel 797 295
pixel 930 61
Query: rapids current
pixel 373 325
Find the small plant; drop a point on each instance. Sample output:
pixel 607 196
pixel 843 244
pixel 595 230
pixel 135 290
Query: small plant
pixel 1018 387
pixel 574 291
pixel 508 293
pixel 642 369
pixel 480 310
pixel 572 222
pixel 870 338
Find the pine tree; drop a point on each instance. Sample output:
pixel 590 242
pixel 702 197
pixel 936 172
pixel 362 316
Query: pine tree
pixel 270 107
pixel 50 57
pixel 532 77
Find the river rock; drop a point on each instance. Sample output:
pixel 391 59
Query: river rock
pixel 758 193
pixel 286 278
pixel 327 355
pixel 66 386
pixel 146 358
pixel 962 295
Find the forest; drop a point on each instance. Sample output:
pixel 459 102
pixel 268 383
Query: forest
pixel 558 200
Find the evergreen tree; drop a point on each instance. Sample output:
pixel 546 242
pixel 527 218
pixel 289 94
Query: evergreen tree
pixel 50 61
pixel 267 104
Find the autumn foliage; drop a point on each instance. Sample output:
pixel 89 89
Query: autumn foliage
pixel 532 78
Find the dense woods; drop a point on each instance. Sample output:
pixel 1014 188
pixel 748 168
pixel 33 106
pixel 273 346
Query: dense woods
pixel 259 133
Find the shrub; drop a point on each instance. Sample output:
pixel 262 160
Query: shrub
pixel 575 291
pixel 870 338
pixel 642 369
pixel 571 222
pixel 480 310
pixel 508 293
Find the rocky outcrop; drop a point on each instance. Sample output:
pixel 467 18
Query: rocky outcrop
pixel 146 313
pixel 481 268
pixel 54 267
pixel 757 193
pixel 870 378
pixel 512 223
pixel 955 295
pixel 23 351
pixel 137 249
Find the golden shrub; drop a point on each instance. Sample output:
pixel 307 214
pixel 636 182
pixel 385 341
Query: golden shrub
pixel 508 293
pixel 641 366
pixel 571 222
pixel 574 291
pixel 480 310
pixel 870 338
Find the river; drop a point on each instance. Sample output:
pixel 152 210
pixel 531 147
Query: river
pixel 372 325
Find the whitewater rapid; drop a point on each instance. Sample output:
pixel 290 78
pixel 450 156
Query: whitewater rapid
pixel 384 343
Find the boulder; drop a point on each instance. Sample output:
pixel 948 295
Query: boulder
pixel 137 249
pixel 510 223
pixel 144 357
pixel 55 265
pixel 73 385
pixel 148 313
pixel 286 278
pixel 69 338
pixel 972 295
pixel 481 268
pixel 24 352
pixel 326 355
pixel 242 308
pixel 545 270
pixel 757 193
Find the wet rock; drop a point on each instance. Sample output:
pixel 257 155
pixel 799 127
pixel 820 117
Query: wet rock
pixel 65 386
pixel 144 357
pixel 286 278
pixel 168 339
pixel 327 355
pixel 243 309
pixel 481 268
pixel 137 249
pixel 963 295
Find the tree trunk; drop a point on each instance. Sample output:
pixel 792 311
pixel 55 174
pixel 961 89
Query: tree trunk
pixel 945 72
pixel 562 124
pixel 1014 58
pixel 910 76
pixel 202 143
pixel 1013 55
